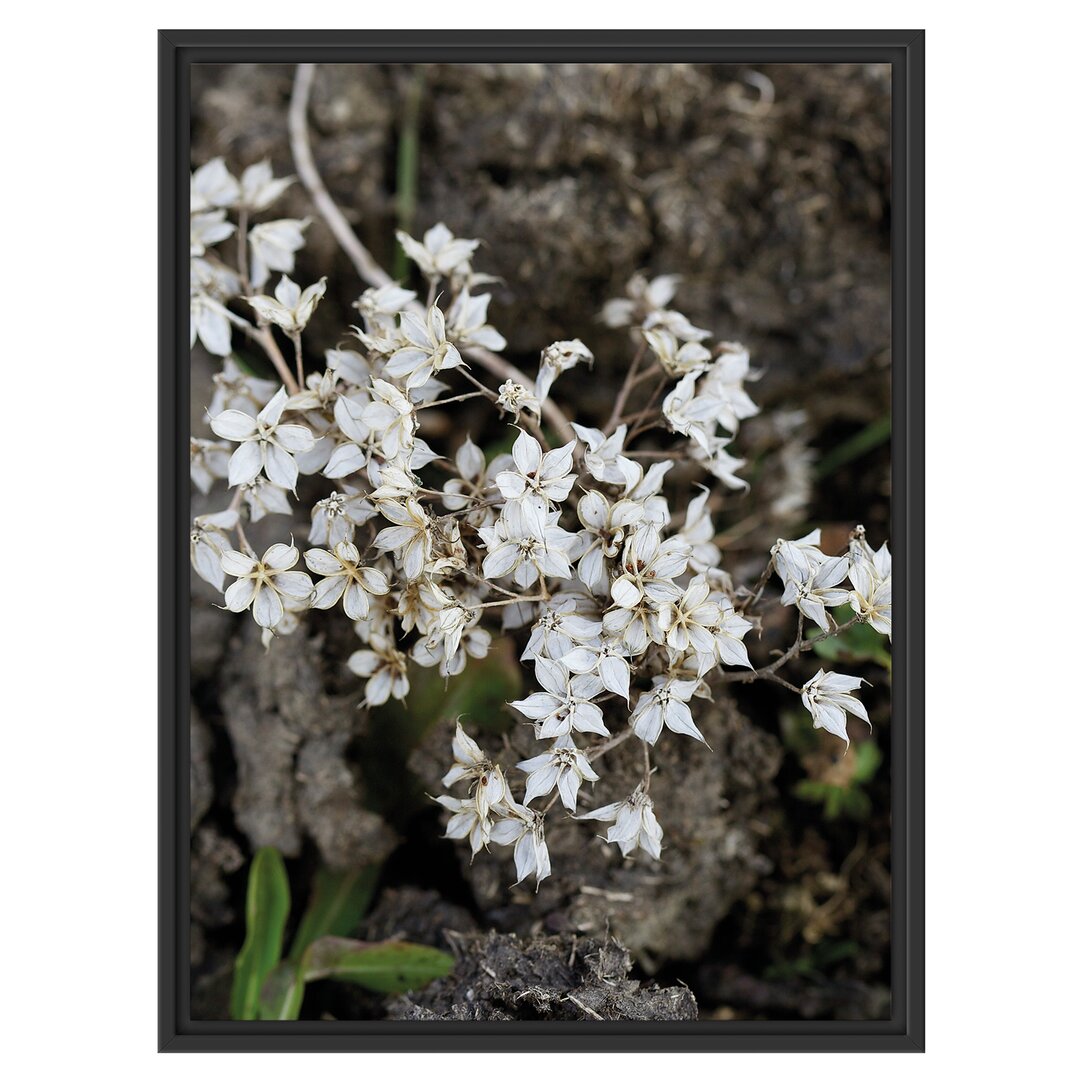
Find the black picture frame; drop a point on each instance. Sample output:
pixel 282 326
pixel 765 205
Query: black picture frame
pixel 904 50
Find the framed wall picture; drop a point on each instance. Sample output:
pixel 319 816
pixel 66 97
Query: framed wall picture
pixel 541 450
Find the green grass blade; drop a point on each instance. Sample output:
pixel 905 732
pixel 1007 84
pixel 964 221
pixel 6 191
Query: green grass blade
pixel 338 902
pixel 386 967
pixel 266 912
pixel 408 166
pixel 862 442
pixel 282 993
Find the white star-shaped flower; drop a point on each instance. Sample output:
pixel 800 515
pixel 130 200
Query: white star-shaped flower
pixel 466 822
pixel 689 621
pixel 334 519
pixel 380 307
pixel 649 566
pixel 605 527
pixel 274 245
pixel 729 631
pixel 524 828
pixel 607 659
pixel 262 583
pixel 559 629
pixel 345 578
pixel 642 297
pixel 262 498
pixel 468 325
pixel 818 591
pixel 265 443
pixel 426 351
pixel 558 357
pixel 515 398
pixel 258 188
pixel 537 482
pixel 290 308
pixel 488 785
pixel 209 229
pixel 527 557
pixel 635 823
pixel 212 185
pixel 677 360
pixel 604 459
pixel 665 706
pixel 385 668
pixel 563 705
pixel 828 698
pixel 441 253
pixel 209 541
pixel 408 537
pixel 724 385
pixel 690 412
pixel 794 559
pixel 209 462
pixel 563 765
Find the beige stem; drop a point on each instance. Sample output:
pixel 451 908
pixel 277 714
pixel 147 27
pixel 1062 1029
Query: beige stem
pixel 361 258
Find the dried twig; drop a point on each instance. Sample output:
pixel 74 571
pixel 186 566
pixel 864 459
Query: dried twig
pixel 361 258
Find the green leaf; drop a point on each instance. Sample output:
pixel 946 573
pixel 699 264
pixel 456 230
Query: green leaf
pixel 251 363
pixel 797 731
pixel 834 802
pixel 867 760
pixel 481 691
pixel 812 790
pixel 856 804
pixel 479 694
pixel 338 902
pixel 387 967
pixel 408 165
pixel 266 911
pixel 862 442
pixel 858 643
pixel 283 992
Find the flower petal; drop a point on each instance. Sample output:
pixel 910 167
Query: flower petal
pixel 267 608
pixel 233 424
pixel 245 464
pixel 239 594
pixel 294 583
pixel 280 467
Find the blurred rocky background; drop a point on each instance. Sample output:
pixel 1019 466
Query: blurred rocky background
pixel 767 190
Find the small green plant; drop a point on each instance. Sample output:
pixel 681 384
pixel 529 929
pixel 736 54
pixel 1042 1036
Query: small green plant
pixel 823 956
pixel 268 986
pixel 837 783
pixel 859 643
pixel 848 799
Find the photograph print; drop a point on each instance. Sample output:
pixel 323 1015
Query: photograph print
pixel 541 532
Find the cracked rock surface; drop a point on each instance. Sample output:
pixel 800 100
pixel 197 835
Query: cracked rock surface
pixel 556 977
pixel 289 737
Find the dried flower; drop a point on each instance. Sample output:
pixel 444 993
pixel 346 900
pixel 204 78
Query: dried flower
pixel 828 698
pixel 262 584
pixel 345 579
pixel 635 823
pixel 289 308
pixel 266 445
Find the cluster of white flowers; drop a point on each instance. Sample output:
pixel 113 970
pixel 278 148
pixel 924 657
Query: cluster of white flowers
pixel 616 597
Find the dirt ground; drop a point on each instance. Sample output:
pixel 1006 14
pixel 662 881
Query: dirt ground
pixel 768 191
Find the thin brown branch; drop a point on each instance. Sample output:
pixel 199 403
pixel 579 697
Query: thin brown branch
pixel 264 336
pixel 800 645
pixel 624 391
pixel 604 747
pixel 366 266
